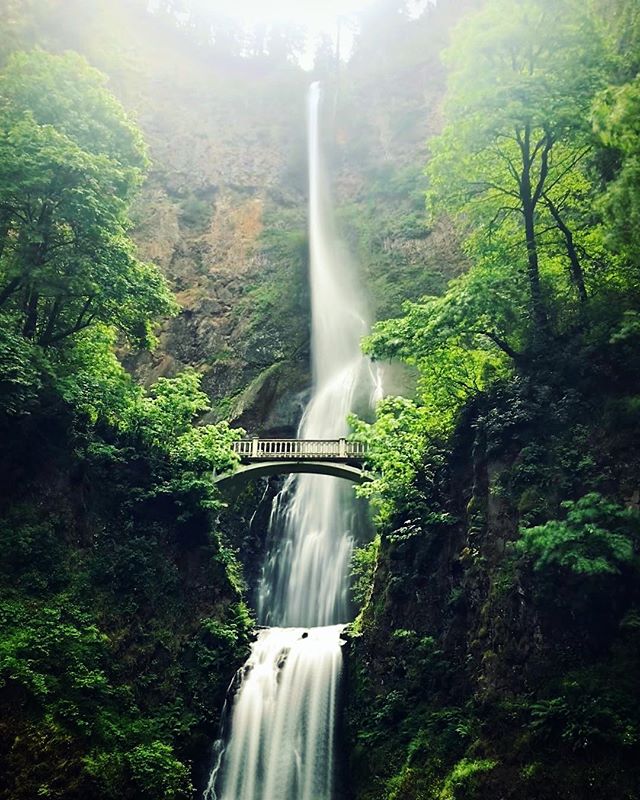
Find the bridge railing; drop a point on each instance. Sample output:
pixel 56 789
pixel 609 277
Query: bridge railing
pixel 305 449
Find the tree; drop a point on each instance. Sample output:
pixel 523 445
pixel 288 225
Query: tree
pixel 617 115
pixel 285 42
pixel 621 20
pixel 516 167
pixel 598 537
pixel 70 163
pixel 325 60
pixel 518 132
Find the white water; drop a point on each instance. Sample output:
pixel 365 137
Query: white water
pixel 281 742
pixel 305 576
pixel 284 717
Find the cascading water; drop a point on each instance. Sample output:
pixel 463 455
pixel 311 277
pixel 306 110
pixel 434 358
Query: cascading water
pixel 281 740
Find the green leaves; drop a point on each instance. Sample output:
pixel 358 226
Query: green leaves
pixel 519 170
pixel 616 122
pixel 66 95
pixel 162 420
pixel 20 377
pixel 510 162
pixel 70 162
pixel 157 774
pixel 597 537
pixel 37 640
pixel 461 781
pixel 168 410
pixel 396 447
pixel 363 565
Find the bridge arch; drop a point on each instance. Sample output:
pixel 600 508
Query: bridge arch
pixel 265 468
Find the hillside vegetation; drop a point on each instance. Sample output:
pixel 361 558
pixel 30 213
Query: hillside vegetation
pixel 499 641
pixel 153 298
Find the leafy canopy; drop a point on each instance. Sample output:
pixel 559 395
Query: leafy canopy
pixel 617 123
pixel 597 537
pixel 70 162
pixel 545 205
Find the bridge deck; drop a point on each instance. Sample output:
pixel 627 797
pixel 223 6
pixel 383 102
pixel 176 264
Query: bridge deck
pixel 335 450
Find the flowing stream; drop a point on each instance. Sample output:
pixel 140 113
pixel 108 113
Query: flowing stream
pixel 280 745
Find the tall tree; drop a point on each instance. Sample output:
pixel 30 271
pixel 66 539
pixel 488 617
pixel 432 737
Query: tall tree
pixel 70 162
pixel 518 128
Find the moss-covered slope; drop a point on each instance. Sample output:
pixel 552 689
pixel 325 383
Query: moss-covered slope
pixel 121 616
pixel 499 651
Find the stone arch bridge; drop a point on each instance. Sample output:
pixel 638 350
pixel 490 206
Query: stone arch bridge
pixel 339 458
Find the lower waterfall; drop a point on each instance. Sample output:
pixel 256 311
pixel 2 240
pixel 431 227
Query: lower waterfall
pixel 283 721
pixel 281 739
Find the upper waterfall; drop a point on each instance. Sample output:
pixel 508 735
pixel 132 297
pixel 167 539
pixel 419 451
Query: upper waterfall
pixel 338 317
pixel 305 580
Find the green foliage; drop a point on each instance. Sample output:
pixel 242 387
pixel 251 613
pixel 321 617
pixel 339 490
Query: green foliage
pixel 527 394
pixel 89 377
pixel 454 364
pixel 547 225
pixel 162 421
pixel 20 378
pixel 616 122
pixel 34 554
pixel 120 610
pixel 363 565
pixel 461 781
pixel 396 444
pixel 597 537
pixel 589 710
pixel 167 411
pixel 274 310
pixel 510 158
pixel 70 162
pixel 157 774
pixel 36 641
pixel 100 649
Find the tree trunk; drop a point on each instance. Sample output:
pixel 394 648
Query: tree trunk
pixel 5 222
pixel 533 270
pixel 52 318
pixel 528 199
pixel 9 289
pixel 31 315
pixel 575 267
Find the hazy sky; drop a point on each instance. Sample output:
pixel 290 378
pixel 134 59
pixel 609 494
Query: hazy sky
pixel 316 16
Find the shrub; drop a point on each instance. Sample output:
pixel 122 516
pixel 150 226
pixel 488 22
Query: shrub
pixel 596 537
pixel 157 773
pixel 460 782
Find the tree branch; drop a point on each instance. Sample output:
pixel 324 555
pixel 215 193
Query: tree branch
pixel 575 265
pixel 501 343
pixel 52 318
pixel 544 169
pixel 12 287
pixel 571 164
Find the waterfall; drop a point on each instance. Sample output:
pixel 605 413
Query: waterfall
pixel 281 740
pixel 281 743
pixel 305 576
